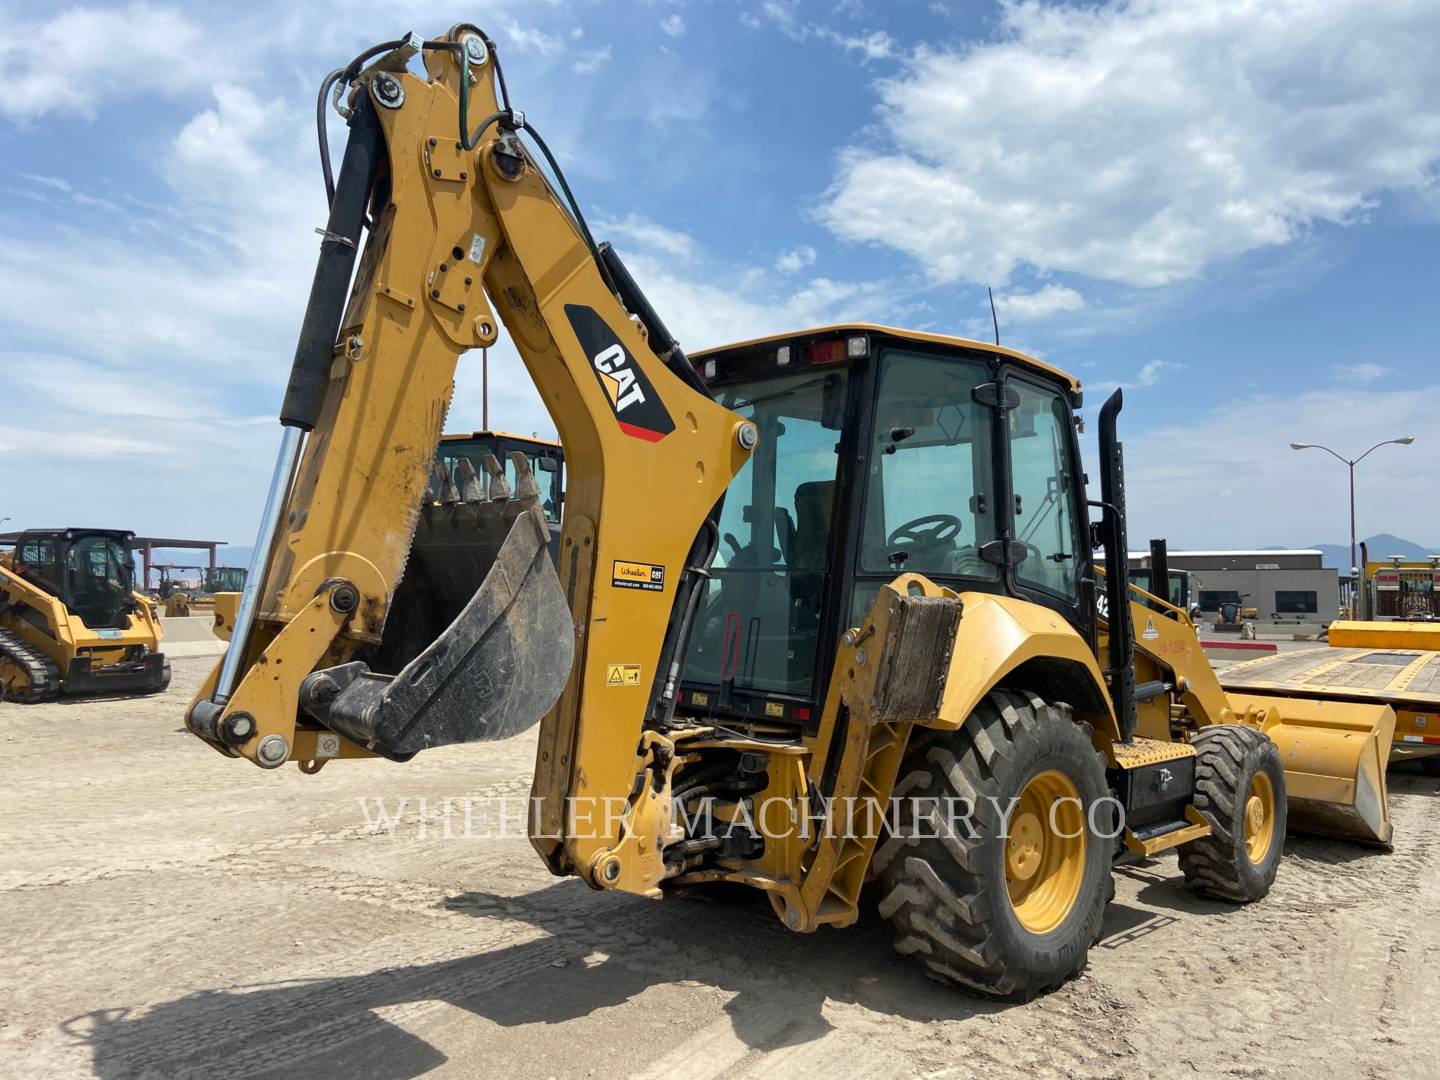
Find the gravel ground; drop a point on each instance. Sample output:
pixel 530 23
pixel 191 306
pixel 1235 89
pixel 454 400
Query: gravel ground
pixel 169 913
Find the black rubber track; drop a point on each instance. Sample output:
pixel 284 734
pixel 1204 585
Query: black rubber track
pixel 43 675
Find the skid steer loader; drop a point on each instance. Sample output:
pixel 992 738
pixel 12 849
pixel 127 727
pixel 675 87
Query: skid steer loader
pixel 827 610
pixel 71 621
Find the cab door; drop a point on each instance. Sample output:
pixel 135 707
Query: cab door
pixel 1046 503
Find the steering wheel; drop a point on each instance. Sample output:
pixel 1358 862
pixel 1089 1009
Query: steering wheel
pixel 930 529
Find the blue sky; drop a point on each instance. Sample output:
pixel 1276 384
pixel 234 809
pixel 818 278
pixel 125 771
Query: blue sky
pixel 1231 209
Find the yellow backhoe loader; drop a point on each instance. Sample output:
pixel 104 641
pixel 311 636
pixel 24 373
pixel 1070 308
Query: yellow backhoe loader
pixel 827 610
pixel 71 621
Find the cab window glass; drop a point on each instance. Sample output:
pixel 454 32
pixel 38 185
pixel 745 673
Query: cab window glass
pixel 759 622
pixel 929 503
pixel 1043 482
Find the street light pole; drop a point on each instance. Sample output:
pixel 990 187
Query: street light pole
pixel 1350 464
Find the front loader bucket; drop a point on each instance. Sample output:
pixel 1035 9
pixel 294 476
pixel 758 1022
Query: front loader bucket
pixel 493 666
pixel 1335 754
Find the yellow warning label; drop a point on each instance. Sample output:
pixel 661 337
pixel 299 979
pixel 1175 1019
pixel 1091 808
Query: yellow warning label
pixel 638 575
pixel 622 674
pixel 697 698
pixel 774 708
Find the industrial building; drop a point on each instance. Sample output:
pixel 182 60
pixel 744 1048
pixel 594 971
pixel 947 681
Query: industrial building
pixel 1285 585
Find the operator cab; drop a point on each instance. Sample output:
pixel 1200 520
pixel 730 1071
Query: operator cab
pixel 89 570
pixel 545 457
pixel 880 452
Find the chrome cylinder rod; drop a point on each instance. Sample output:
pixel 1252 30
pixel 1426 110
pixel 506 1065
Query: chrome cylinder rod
pixel 290 444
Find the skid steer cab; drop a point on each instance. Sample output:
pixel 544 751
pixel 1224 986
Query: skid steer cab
pixel 826 611
pixel 71 620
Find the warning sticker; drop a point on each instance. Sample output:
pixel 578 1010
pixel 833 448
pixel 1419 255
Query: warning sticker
pixel 327 746
pixel 638 575
pixel 774 708
pixel 1150 633
pixel 697 698
pixel 622 674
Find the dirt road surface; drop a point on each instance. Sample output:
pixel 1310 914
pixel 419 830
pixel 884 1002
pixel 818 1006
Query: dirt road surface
pixel 172 914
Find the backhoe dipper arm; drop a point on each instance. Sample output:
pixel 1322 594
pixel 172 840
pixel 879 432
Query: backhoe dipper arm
pixel 462 221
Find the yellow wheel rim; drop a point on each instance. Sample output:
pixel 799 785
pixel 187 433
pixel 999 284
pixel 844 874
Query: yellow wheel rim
pixel 1259 818
pixel 1045 852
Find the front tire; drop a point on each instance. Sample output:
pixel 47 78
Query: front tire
pixel 999 903
pixel 1240 790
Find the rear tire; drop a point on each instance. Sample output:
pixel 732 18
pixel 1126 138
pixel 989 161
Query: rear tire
pixel 1240 790
pixel 1006 912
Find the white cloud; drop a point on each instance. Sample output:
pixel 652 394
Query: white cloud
pixel 77 59
pixel 784 15
pixel 702 314
pixel 590 62
pixel 649 235
pixel 871 45
pixel 1043 302
pixel 673 25
pixel 1175 473
pixel 797 259
pixel 1112 141
pixel 529 40
pixel 1362 373
pixel 1148 375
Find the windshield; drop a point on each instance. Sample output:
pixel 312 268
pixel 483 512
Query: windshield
pixel 930 498
pixel 97 578
pixel 760 618
pixel 474 450
pixel 225 579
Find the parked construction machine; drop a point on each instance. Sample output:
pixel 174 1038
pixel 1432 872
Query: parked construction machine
pixel 70 618
pixel 827 611
pixel 182 599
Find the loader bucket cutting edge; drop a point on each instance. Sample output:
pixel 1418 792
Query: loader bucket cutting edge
pixel 492 673
pixel 1335 755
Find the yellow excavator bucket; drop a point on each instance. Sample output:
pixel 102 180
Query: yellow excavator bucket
pixel 478 642
pixel 1335 754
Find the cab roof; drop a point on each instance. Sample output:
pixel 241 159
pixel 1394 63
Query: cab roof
pixel 456 436
pixel 71 533
pixel 878 329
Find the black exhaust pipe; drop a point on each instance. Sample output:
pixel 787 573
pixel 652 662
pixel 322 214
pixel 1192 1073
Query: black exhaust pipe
pixel 1117 577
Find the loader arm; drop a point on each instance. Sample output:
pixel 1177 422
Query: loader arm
pixel 466 230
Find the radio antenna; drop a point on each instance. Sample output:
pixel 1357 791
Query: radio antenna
pixel 993 317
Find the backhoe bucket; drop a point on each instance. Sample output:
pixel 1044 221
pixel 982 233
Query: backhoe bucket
pixel 1335 754
pixel 479 639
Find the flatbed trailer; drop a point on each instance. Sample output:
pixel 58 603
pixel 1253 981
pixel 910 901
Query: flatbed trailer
pixel 1408 680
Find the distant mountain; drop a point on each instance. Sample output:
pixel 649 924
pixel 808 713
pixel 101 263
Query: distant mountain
pixel 1380 546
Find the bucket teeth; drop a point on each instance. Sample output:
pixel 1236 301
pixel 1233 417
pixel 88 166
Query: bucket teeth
pixel 499 489
pixel 448 493
pixel 526 489
pixel 471 489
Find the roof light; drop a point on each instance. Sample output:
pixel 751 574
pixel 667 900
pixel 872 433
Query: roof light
pixel 826 352
pixel 856 347
pixel 709 369
pixel 782 356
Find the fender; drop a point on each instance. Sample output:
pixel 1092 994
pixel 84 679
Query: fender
pixel 1004 641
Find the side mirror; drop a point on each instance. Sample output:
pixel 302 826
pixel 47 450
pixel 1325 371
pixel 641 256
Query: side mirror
pixel 549 464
